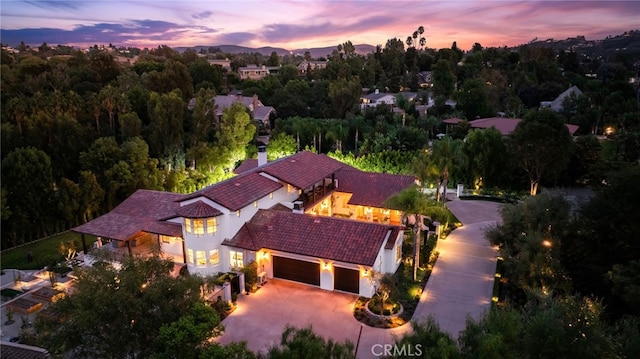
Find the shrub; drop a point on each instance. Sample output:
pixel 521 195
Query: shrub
pixel 250 276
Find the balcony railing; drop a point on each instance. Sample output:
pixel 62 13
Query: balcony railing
pixel 311 197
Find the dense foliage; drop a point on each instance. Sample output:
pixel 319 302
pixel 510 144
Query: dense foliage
pixel 82 130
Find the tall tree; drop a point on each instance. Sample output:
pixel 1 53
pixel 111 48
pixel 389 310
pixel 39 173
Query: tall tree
pixel 447 156
pixel 543 146
pixel 109 97
pixel 28 181
pixel 204 115
pixel 235 132
pixel 166 112
pixel 444 79
pixel 414 204
pixel 487 155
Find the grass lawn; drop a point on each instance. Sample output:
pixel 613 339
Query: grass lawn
pixel 43 251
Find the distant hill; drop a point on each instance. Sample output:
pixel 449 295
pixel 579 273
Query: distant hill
pixel 627 43
pixel 316 52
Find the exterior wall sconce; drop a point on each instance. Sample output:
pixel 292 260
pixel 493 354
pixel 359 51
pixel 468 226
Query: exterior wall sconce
pixel 271 195
pixel 265 255
pixel 238 213
pixel 326 266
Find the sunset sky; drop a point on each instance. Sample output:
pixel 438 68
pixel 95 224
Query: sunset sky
pixel 294 24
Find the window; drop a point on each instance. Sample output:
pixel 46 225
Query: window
pixel 165 239
pixel 198 226
pixel 190 255
pixel 290 188
pixel 201 260
pixel 211 226
pixel 236 259
pixel 214 256
pixel 398 252
pixel 187 225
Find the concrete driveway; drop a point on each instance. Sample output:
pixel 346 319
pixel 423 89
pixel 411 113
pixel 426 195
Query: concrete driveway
pixel 460 285
pixel 262 316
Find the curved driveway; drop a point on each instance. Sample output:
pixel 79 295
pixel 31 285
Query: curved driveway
pixel 461 283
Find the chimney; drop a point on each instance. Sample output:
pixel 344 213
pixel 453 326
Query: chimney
pixel 298 207
pixel 377 91
pixel 262 155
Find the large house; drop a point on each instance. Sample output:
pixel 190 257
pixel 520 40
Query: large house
pixel 307 66
pixel 378 98
pixel 255 72
pixel 306 218
pixel 260 113
pixel 557 104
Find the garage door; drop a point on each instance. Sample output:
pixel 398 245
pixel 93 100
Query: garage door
pixel 347 280
pixel 299 271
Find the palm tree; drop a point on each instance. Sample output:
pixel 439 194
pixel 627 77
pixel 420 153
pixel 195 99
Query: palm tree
pixel 338 130
pixel 426 170
pixel 414 204
pixel 108 97
pixel 446 155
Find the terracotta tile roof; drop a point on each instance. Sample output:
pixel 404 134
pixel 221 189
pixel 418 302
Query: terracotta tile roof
pixel 330 238
pixel 506 125
pixel 303 169
pixel 143 209
pixel 393 238
pixel 11 350
pixel 239 191
pixel 165 228
pixel 503 124
pixel 371 189
pixel 280 207
pixel 452 121
pixel 197 209
pixel 246 165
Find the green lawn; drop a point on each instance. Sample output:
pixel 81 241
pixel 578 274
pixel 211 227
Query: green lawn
pixel 43 251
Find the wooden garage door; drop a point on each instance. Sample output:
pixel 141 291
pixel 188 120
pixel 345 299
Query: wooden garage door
pixel 347 280
pixel 299 271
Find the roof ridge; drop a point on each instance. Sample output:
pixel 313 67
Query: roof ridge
pixel 253 240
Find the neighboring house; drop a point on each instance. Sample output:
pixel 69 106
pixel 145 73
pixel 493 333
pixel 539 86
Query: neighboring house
pixel 306 66
pixel 425 79
pixel 225 63
pixel 260 113
pixel 557 105
pixel 254 72
pixel 503 124
pixel 378 98
pixel 306 218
